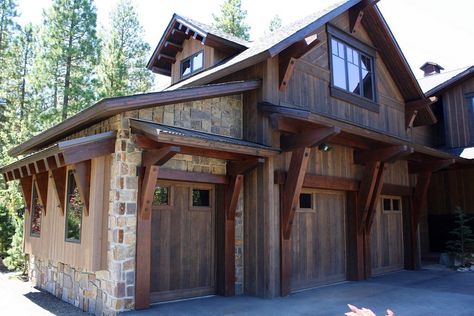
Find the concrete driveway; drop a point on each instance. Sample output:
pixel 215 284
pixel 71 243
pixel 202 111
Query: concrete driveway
pixel 426 292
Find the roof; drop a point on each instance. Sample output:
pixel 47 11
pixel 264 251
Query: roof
pixel 181 28
pixel 436 84
pixel 107 108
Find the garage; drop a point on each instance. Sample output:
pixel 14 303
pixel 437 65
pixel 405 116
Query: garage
pixel 183 241
pixel 387 236
pixel 318 239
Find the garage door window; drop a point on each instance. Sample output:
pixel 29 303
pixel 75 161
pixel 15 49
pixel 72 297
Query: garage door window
pixel 392 205
pixel 306 201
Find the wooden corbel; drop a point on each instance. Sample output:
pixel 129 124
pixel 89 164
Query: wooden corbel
pixel 237 167
pixel 357 12
pixel 412 109
pixel 41 180
pixel 369 192
pixel 385 154
pixel 309 138
pixel 59 176
pixel 159 156
pixel 289 56
pixel 82 175
pixel 26 184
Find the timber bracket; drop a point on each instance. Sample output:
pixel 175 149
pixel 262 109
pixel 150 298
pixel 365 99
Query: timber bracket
pixel 356 13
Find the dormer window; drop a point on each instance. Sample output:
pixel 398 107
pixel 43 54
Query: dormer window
pixel 352 70
pixel 192 64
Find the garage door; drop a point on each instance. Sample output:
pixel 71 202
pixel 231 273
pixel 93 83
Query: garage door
pixel 319 239
pixel 183 241
pixel 387 236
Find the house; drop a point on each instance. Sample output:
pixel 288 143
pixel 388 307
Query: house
pixel 298 160
pixel 453 133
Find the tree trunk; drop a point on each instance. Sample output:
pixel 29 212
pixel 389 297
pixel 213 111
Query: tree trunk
pixel 67 79
pixel 23 82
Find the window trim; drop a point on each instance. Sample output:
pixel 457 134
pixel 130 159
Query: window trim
pixel 190 58
pixel 201 208
pixel 66 239
pixel 391 210
pixel 339 93
pixel 170 204
pixel 311 209
pixel 33 191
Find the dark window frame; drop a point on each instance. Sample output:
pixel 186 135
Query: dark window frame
pixel 363 49
pixel 34 193
pixel 70 173
pixel 193 207
pixel 191 62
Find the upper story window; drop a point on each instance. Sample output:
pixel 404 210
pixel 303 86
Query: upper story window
pixel 352 70
pixel 74 209
pixel 192 64
pixel 36 212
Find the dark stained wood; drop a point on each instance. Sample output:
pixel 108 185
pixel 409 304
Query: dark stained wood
pixel 369 187
pixel 159 156
pixel 59 176
pixel 386 154
pixel 42 185
pixel 357 12
pixel 432 166
pixel 143 259
pixel 74 153
pixel 243 166
pixel 397 190
pixel 82 175
pixel 355 240
pixel 286 70
pixel 173 45
pixel 26 184
pixel 307 139
pixel 420 104
pixel 199 177
pixel 411 257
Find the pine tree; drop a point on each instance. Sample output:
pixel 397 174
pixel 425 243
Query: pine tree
pixel 275 23
pixel 8 27
pixel 67 56
pixel 232 19
pixel 122 68
pixel 462 246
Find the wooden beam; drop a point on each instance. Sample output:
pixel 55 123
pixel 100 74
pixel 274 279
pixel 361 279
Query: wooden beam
pixel 357 12
pixel 167 57
pixel 200 177
pixel 26 184
pixel 143 258
pixel 159 156
pixel 385 154
pixel 369 191
pixel 42 180
pixel 355 240
pixel 243 166
pixel 175 46
pixel 74 153
pixel 321 182
pixel 286 71
pixel 59 176
pixel 307 139
pixel 432 165
pixel 82 175
pixel 420 104
pixel 410 118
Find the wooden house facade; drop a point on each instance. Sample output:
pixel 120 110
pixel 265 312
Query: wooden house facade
pixel 265 168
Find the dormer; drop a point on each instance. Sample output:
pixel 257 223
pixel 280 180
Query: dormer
pixel 188 47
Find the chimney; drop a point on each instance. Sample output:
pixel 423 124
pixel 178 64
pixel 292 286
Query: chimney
pixel 430 68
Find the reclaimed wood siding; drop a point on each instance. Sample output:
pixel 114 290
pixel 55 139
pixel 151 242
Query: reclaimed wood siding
pixel 308 88
pixel 51 245
pixel 458 115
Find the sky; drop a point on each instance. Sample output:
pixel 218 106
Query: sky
pixel 426 30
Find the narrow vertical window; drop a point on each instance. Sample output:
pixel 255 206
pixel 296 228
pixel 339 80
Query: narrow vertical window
pixel 74 209
pixel 36 212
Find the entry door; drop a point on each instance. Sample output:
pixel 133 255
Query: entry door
pixel 319 239
pixel 387 236
pixel 183 241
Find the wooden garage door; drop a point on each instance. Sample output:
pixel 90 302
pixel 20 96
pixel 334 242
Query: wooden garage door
pixel 183 241
pixel 387 236
pixel 319 239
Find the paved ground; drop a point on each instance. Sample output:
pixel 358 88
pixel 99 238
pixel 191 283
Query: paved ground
pixel 426 292
pixel 19 298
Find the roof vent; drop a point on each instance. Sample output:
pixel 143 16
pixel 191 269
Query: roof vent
pixel 430 68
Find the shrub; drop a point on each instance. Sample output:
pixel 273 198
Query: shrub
pixel 16 259
pixel 7 230
pixel 462 246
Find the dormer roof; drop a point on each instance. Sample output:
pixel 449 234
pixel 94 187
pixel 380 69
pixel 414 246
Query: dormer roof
pixel 181 28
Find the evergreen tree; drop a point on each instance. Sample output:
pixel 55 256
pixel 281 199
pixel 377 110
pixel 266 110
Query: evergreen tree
pixel 232 19
pixel 462 246
pixel 275 23
pixel 8 28
pixel 67 56
pixel 122 68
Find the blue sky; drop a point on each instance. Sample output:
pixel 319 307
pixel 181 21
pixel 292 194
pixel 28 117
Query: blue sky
pixel 426 30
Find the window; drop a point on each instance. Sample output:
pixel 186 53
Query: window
pixel 74 208
pixel 392 205
pixel 306 200
pixel 36 211
pixel 352 70
pixel 161 196
pixel 192 64
pixel 201 198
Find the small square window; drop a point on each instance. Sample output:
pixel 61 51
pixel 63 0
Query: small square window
pixel 74 208
pixel 387 204
pixel 306 200
pixel 201 198
pixel 37 210
pixel 161 196
pixel 396 205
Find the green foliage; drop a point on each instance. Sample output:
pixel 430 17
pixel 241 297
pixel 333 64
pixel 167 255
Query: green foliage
pixel 7 230
pixel 275 23
pixel 232 19
pixel 122 68
pixel 66 57
pixel 16 259
pixel 462 246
